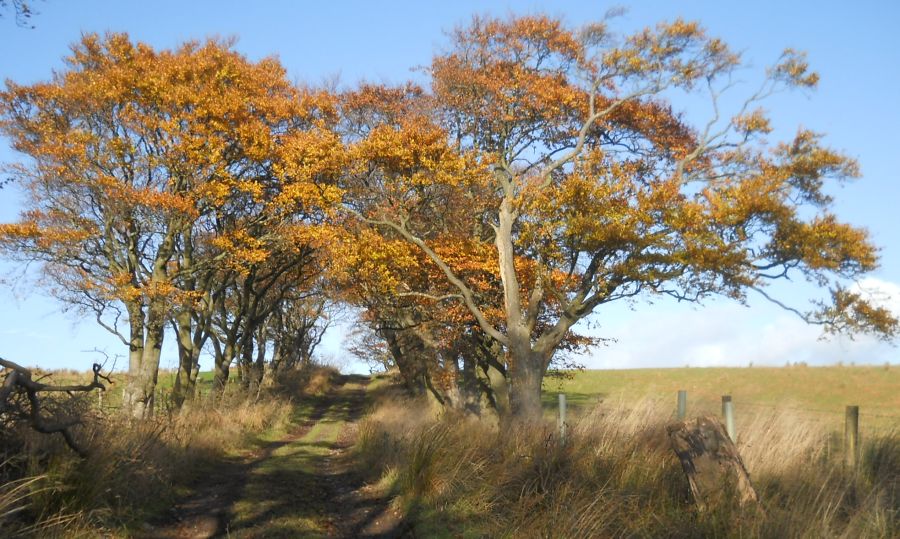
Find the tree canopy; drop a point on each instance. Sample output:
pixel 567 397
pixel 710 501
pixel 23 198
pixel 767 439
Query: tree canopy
pixel 158 176
pixel 540 173
pixel 592 188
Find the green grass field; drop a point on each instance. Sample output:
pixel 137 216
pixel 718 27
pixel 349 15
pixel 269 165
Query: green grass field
pixel 822 392
pixel 167 379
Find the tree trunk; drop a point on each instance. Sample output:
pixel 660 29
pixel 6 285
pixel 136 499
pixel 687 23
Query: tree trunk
pixel 469 388
pixel 526 374
pixel 277 351
pixel 140 393
pixel 406 360
pixel 499 390
pixel 149 374
pixel 130 394
pixel 186 379
pixel 223 359
pixel 138 396
pixel 259 362
pixel 195 370
pixel 270 374
pixel 187 356
pixel 449 386
pixel 249 376
pixel 526 367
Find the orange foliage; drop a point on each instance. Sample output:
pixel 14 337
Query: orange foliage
pixel 609 193
pixel 137 150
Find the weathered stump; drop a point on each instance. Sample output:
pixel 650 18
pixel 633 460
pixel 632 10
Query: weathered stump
pixel 711 463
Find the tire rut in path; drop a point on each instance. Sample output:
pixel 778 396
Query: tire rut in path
pixel 354 511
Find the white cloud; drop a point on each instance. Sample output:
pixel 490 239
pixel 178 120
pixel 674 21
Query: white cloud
pixel 723 333
pixel 880 292
pixel 727 334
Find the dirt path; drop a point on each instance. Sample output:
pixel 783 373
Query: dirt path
pixel 302 485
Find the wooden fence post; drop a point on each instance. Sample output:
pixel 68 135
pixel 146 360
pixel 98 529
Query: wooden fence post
pixel 100 399
pixel 728 414
pixel 562 417
pixel 682 404
pixel 851 437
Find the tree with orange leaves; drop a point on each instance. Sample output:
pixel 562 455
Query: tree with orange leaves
pixel 592 189
pixel 435 350
pixel 433 339
pixel 150 171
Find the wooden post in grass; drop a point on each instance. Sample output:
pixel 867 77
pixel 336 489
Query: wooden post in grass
pixel 100 399
pixel 562 417
pixel 682 404
pixel 851 437
pixel 728 414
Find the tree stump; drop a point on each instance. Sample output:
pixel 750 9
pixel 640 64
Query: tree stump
pixel 711 463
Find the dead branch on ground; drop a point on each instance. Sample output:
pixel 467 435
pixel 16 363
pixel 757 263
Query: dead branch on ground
pixel 20 400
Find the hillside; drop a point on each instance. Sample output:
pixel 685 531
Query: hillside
pixel 818 392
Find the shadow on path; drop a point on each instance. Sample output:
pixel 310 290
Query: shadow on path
pixel 302 485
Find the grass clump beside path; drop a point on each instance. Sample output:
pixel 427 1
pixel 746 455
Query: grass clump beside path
pixel 617 477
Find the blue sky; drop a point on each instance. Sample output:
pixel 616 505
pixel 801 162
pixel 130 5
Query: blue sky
pixel 855 48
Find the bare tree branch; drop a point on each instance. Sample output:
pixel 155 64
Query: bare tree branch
pixel 19 379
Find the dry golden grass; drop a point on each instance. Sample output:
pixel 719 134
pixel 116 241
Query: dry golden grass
pixel 134 469
pixel 616 476
pixel 822 392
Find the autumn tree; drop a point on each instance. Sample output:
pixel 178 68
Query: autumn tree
pixel 437 345
pixel 401 292
pixel 253 301
pixel 411 333
pixel 277 242
pixel 599 190
pixel 135 156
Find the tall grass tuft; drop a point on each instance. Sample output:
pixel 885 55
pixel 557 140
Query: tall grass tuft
pixel 616 476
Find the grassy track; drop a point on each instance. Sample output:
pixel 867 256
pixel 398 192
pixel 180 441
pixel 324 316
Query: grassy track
pixel 283 495
pixel 304 488
pixel 296 482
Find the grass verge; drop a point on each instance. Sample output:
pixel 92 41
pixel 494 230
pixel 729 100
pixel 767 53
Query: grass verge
pixel 616 476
